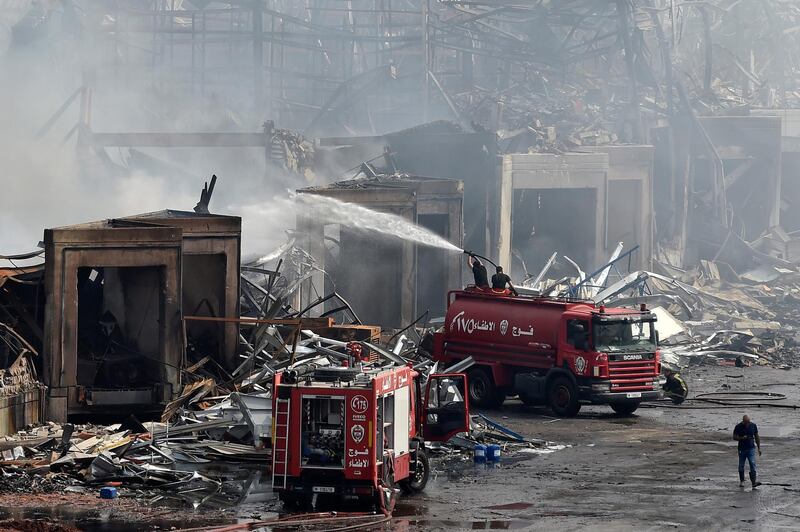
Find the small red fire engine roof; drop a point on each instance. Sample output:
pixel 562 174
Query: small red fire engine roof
pixel 335 377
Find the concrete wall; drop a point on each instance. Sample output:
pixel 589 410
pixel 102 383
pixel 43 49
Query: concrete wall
pixel 790 164
pixel 630 199
pixel 379 275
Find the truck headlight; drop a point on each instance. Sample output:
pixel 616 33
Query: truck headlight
pixel 601 387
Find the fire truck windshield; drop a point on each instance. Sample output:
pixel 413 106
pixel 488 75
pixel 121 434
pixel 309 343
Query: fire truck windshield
pixel 624 335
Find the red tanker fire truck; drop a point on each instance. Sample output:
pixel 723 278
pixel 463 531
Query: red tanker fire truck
pixel 551 351
pixel 357 432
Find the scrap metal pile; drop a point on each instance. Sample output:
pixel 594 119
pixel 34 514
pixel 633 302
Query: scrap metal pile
pixel 705 313
pixel 157 461
pixel 219 417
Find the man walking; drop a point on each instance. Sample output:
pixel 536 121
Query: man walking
pixel 746 433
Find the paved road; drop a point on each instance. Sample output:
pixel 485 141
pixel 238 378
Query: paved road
pixel 661 468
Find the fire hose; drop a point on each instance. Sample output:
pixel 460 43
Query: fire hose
pixel 306 520
pixel 386 488
pixel 731 400
pixel 473 254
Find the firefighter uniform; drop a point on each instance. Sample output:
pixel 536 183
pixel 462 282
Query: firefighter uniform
pixel 676 387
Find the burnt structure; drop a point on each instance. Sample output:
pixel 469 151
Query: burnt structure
pixel 117 291
pixel 553 203
pixel 389 280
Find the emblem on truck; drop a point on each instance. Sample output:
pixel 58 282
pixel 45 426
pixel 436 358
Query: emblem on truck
pixel 633 357
pixel 357 433
pixel 580 364
pixel 503 327
pixel 359 404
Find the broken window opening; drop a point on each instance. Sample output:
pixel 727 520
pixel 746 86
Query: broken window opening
pixel 548 220
pixel 120 326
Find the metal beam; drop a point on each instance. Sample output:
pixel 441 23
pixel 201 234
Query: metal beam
pixel 179 140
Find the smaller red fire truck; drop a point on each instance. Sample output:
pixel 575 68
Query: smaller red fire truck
pixel 358 432
pixel 555 352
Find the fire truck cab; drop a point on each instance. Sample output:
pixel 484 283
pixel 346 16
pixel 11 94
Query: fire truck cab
pixel 359 433
pixel 555 352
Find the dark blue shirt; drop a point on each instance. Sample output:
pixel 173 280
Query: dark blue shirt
pixel 751 430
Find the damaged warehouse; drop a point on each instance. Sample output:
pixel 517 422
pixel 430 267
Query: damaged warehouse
pixel 469 264
pixel 118 290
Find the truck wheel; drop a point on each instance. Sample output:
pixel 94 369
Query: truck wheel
pixel 482 391
pixel 417 477
pixel 625 409
pixel 563 397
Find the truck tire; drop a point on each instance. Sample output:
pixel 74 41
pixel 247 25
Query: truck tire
pixel 625 409
pixel 482 391
pixel 562 397
pixel 417 477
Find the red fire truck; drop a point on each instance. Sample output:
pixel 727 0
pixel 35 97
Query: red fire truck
pixel 551 351
pixel 357 433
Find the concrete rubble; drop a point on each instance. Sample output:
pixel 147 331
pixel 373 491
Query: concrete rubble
pixel 703 315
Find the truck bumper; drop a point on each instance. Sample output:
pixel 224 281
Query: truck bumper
pixel 299 486
pixel 594 397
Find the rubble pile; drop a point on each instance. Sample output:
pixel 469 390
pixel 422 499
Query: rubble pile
pixel 164 457
pixel 703 316
pixel 558 122
pixel 293 152
pixel 16 479
pixel 20 376
pixel 705 313
pixel 743 320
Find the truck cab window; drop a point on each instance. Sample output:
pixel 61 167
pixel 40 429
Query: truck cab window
pixel 625 335
pixel 578 333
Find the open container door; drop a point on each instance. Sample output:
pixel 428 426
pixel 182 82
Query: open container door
pixel 446 412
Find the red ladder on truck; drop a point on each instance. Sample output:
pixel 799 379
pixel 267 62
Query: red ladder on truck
pixel 280 443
